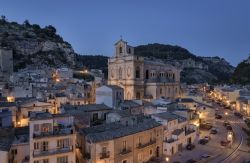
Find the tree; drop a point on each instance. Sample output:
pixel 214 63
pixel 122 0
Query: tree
pixel 3 18
pixel 26 23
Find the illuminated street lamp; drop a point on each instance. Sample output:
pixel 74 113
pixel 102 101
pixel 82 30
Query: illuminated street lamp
pixel 167 159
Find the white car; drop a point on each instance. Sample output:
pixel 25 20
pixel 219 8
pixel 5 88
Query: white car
pixel 205 156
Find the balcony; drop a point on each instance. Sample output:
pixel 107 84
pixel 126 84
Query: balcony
pixel 190 131
pixel 171 140
pixel 55 132
pixel 125 151
pixel 87 156
pixel 52 151
pixel 104 155
pixel 151 142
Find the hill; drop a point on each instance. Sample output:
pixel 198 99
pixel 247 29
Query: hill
pixel 195 69
pixel 241 74
pixel 35 46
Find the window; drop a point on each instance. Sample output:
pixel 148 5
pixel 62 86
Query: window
pixel 46 161
pixel 62 143
pixel 120 49
pixel 14 151
pixel 36 161
pixel 104 149
pixel 124 161
pixel 160 90
pixel 95 116
pixel 147 74
pixel 140 140
pixel 36 145
pixel 124 145
pixel 63 159
pixel 138 96
pixel 129 50
pixel 36 127
pixel 45 145
pixel 150 152
pixel 137 72
pixel 139 156
pixel 120 73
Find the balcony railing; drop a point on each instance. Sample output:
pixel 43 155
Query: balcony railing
pixel 151 142
pixel 52 151
pixel 171 140
pixel 104 155
pixel 189 132
pixel 125 151
pixel 64 131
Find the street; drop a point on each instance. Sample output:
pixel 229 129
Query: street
pixel 238 152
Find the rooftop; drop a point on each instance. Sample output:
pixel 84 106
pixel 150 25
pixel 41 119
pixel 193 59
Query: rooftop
pixel 86 108
pixel 169 116
pixel 45 115
pixel 111 131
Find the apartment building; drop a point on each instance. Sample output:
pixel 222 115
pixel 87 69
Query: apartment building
pixel 119 143
pixel 52 138
pixel 177 132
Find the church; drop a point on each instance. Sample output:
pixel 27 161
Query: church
pixel 140 77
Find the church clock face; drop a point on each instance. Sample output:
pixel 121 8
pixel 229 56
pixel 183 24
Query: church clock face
pixel 128 71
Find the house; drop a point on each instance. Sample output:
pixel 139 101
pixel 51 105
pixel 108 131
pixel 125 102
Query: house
pixel 110 95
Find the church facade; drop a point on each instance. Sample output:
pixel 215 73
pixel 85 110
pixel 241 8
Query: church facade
pixel 140 77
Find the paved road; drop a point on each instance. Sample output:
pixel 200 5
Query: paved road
pixel 236 154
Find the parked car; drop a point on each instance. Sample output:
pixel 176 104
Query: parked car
pixel 218 116
pixel 224 143
pixel 206 126
pixel 207 138
pixel 213 131
pixel 203 141
pixel 205 156
pixel 226 123
pixel 190 146
pixel 238 114
pixel 246 161
pixel 191 161
pixel 229 127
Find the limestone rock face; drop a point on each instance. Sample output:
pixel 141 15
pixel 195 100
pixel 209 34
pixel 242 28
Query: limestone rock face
pixel 35 46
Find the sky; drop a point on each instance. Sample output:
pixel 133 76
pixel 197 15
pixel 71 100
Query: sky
pixel 204 27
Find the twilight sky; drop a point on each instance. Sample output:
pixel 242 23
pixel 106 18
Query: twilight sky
pixel 206 28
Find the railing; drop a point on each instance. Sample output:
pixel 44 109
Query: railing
pixel 52 151
pixel 104 155
pixel 189 132
pixel 140 145
pixel 125 151
pixel 64 131
pixel 170 140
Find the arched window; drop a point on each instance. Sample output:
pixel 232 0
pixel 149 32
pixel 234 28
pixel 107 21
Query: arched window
pixel 120 73
pixel 137 72
pixel 120 49
pixel 147 74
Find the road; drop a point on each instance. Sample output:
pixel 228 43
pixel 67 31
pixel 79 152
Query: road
pixel 237 153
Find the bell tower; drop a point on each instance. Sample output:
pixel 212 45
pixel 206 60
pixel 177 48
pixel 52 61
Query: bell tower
pixel 123 49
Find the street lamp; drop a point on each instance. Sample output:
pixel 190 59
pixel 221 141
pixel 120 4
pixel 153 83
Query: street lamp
pixel 167 159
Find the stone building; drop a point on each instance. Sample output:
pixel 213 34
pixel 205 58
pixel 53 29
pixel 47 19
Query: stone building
pixel 142 78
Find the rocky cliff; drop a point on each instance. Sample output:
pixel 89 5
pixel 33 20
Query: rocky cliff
pixel 35 46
